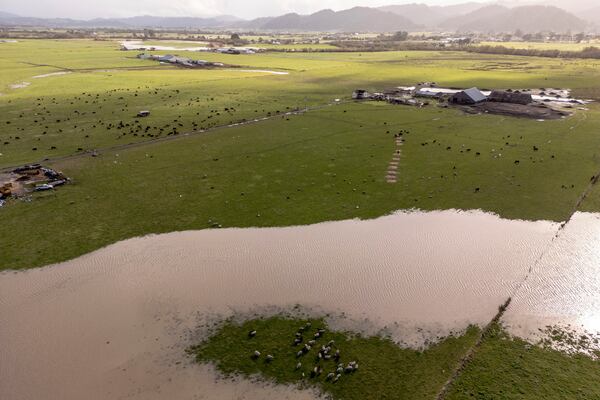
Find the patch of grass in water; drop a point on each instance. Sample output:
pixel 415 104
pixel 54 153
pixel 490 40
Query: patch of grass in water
pixel 386 371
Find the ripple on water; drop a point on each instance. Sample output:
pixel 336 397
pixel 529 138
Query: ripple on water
pixel 114 323
pixel 564 287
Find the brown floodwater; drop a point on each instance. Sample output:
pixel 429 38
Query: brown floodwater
pixel 114 324
pixel 564 287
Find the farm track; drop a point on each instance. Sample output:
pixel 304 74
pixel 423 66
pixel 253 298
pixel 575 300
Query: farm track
pixel 67 69
pixel 143 67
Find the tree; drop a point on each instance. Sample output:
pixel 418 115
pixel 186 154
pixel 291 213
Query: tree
pixel 400 36
pixel 235 36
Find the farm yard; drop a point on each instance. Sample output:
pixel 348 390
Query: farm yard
pixel 273 142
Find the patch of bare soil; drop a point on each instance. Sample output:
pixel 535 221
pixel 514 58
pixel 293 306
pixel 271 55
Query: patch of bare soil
pixel 29 178
pixel 533 111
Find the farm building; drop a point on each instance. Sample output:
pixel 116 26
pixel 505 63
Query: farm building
pixel 166 58
pixel 510 97
pixel 469 96
pixel 360 94
pixel 429 93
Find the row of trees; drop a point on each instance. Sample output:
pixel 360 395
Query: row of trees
pixel 588 52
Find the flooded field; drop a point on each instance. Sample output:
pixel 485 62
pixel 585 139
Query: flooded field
pixel 115 323
pixel 564 288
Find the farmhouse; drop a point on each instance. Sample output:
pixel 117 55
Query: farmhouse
pixel 468 97
pixel 510 97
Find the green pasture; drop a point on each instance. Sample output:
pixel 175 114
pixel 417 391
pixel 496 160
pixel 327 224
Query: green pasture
pixel 58 115
pixel 183 168
pixel 501 366
pixel 385 370
pixel 512 369
pixel 563 46
pixel 327 164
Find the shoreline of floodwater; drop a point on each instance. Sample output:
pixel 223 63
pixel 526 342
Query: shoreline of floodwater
pixel 133 307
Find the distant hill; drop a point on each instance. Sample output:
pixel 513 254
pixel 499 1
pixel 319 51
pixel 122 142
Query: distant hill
pixel 474 17
pixel 145 21
pixel 169 22
pixel 465 17
pixel 528 19
pixel 592 14
pixel 357 19
pixel 14 20
pixel 418 13
pixel 430 16
pixel 7 15
pixel 459 9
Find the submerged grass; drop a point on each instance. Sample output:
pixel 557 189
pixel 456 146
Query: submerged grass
pixel 385 371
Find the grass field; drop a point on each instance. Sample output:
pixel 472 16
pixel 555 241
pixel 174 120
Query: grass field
pixel 324 165
pixel 510 368
pixel 385 370
pixel 502 367
pixel 327 164
pixel 182 168
pixel 563 46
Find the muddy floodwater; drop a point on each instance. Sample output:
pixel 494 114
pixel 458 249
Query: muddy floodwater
pixel 114 324
pixel 564 287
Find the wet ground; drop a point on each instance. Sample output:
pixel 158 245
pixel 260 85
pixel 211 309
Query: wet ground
pixel 114 323
pixel 564 287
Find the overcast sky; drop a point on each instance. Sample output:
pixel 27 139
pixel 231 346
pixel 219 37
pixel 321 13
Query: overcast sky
pixel 87 9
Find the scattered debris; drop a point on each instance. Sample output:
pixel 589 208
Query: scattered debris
pixel 392 97
pixel 533 111
pixel 514 97
pixel 29 178
pixel 361 94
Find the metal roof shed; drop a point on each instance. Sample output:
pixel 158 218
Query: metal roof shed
pixel 469 96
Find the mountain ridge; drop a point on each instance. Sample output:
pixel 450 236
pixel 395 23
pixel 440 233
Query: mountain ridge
pixel 465 17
